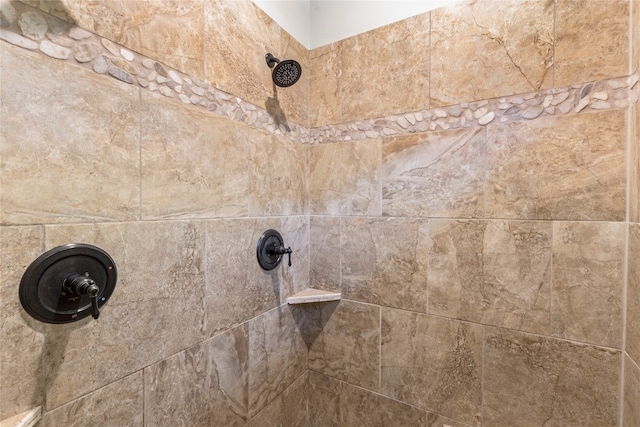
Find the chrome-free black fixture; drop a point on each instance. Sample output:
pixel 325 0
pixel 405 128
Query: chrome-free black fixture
pixel 286 72
pixel 270 250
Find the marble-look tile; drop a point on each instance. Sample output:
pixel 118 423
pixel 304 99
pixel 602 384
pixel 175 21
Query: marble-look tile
pixel 117 404
pixel 570 167
pixel 582 53
pixel 537 381
pixel 491 272
pixel 69 145
pixel 156 309
pixel 384 261
pixel 237 289
pixel 187 154
pixel 437 174
pixel 360 407
pixel 390 64
pixel 168 31
pixel 635 38
pixel 586 296
pixel 434 420
pixel 347 343
pixel 278 176
pixel 288 410
pixel 294 100
pixel 345 178
pixel 633 294
pixel 634 154
pixel 324 253
pixel 432 363
pixel 277 356
pixel 484 49
pixel 325 102
pixel 295 233
pixel 205 385
pixel 21 336
pixel 631 399
pixel 324 400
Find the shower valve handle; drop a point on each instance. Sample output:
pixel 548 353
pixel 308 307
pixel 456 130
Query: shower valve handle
pixel 280 250
pixel 84 286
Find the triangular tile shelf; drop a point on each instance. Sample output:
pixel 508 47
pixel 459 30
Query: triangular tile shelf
pixel 314 295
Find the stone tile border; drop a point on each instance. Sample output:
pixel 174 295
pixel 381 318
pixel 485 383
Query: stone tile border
pixel 32 29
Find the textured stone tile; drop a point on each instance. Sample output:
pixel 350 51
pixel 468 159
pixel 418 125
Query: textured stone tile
pixel 434 174
pixel 491 272
pixel 633 294
pixel 188 153
pixel 21 336
pixel 360 407
pixel 295 233
pixel 434 420
pixel 203 385
pixel 155 311
pixel 237 289
pixel 582 53
pixel 384 261
pixel 536 381
pixel 288 410
pixel 586 296
pixel 326 89
pixel 278 176
pixel 324 400
pixel 119 403
pixel 382 64
pixel 67 143
pixel 294 100
pixel 345 178
pixel 347 343
pixel 631 409
pixel 485 49
pixel 432 363
pixel 634 183
pixel 324 253
pixel 568 167
pixel 277 356
pixel 635 58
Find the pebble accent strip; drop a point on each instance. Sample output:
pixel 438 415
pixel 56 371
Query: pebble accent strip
pixel 34 30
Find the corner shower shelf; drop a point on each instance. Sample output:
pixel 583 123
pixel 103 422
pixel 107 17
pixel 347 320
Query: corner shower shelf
pixel 26 419
pixel 314 295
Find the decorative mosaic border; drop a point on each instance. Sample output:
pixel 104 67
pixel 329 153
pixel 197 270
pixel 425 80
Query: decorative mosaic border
pixel 35 30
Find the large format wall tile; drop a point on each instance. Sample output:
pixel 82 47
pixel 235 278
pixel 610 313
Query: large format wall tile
pixel 289 409
pixel 633 294
pixel 205 385
pixel 69 143
pixel 570 167
pixel 634 154
pixel 117 404
pixel 586 296
pixel 345 178
pixel 635 36
pixel 389 64
pixel 155 311
pixel 434 174
pixel 492 272
pixel 432 363
pixel 194 164
pixel 324 400
pixel 324 252
pixel 325 101
pixel 21 336
pixel 532 381
pixel 295 278
pixel 383 261
pixel 293 100
pixel 582 53
pixel 485 49
pixel 631 409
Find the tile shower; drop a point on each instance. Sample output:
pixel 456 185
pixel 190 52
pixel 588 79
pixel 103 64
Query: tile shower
pixel 467 178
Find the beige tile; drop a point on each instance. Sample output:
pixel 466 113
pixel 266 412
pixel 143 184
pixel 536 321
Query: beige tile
pixel 536 381
pixel 635 58
pixel 295 233
pixel 383 261
pixel 586 296
pixel 21 336
pixel 325 101
pixel 69 145
pixel 360 407
pixel 155 311
pixel 347 344
pixel 634 154
pixel 345 178
pixel 633 294
pixel 278 176
pixel 203 385
pixel 485 49
pixel 491 272
pixel 187 153
pixel 119 403
pixel 434 174
pixel 582 53
pixel 631 399
pixel 294 100
pixel 568 167
pixel 439 421
pixel 288 410
pixel 383 64
pixel 324 400
pixel 324 253
pixel 432 363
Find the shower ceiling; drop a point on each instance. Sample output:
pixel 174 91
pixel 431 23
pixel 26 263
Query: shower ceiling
pixel 316 23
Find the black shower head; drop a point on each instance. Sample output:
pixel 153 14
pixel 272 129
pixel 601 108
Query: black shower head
pixel 286 72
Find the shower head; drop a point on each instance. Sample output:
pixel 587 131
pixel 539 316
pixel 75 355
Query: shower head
pixel 286 72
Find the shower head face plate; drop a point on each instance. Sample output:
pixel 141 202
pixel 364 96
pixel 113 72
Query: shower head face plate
pixel 286 73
